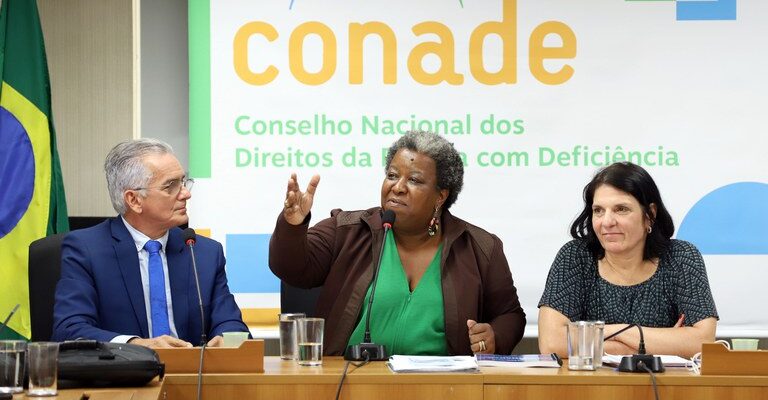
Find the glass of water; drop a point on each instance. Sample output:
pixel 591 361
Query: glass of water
pixel 288 338
pixel 12 364
pixel 310 340
pixel 585 345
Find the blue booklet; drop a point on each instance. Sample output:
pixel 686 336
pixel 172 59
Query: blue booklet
pixel 519 360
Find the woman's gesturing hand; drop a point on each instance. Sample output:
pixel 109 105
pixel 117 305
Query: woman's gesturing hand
pixel 297 203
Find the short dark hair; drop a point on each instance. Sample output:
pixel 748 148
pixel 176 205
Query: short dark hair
pixel 449 167
pixel 636 181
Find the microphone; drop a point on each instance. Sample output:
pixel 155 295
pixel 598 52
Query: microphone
pixel 190 238
pixel 639 362
pixel 367 350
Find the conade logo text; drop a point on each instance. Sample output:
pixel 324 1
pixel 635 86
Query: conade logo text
pixel 557 73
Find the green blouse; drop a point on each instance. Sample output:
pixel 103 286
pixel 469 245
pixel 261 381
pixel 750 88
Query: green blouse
pixel 408 323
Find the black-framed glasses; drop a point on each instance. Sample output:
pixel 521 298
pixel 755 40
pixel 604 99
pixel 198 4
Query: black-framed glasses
pixel 173 187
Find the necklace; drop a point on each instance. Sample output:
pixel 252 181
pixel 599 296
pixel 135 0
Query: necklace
pixel 626 279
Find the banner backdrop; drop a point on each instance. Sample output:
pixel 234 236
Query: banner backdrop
pixel 537 95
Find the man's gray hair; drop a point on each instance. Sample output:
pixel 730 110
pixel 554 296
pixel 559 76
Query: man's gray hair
pixel 448 163
pixel 125 168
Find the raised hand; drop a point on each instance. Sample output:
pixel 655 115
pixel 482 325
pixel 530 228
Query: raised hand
pixel 297 203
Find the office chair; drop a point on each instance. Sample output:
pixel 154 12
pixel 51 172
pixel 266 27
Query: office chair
pixel 44 272
pixel 296 300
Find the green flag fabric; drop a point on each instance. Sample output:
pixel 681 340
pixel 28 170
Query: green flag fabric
pixel 32 203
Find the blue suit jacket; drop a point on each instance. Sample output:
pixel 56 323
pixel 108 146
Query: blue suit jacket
pixel 100 296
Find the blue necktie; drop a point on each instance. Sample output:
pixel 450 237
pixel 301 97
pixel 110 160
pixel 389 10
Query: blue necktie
pixel 157 301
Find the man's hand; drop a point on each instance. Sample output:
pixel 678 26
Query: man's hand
pixel 217 341
pixel 160 342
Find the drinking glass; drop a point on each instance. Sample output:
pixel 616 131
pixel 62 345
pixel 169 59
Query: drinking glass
pixel 585 345
pixel 310 340
pixel 288 339
pixel 43 362
pixel 12 364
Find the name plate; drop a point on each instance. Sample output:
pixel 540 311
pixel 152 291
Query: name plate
pixel 248 358
pixel 716 359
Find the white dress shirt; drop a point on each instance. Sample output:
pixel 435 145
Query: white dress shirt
pixel 140 239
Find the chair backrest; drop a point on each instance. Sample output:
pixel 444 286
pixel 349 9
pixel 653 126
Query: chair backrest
pixel 44 273
pixel 296 300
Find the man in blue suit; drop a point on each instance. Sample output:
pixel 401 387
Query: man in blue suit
pixel 130 278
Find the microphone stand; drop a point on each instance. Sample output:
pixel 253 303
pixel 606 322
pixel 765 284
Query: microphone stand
pixel 636 362
pixel 203 335
pixel 367 351
pixel 190 241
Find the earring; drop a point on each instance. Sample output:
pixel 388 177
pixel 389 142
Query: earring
pixel 650 229
pixel 434 224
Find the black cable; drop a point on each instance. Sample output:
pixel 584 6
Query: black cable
pixel 653 378
pixel 619 331
pixel 344 373
pixel 200 373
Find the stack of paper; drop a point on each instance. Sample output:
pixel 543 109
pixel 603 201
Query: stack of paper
pixel 519 360
pixel 433 364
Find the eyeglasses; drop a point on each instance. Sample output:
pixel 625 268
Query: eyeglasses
pixel 173 187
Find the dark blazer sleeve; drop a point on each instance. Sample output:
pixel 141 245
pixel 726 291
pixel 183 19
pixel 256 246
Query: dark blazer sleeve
pixel 75 311
pixel 300 256
pixel 225 315
pixel 500 302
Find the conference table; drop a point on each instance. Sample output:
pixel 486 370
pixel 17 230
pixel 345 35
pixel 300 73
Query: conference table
pixel 152 391
pixel 287 380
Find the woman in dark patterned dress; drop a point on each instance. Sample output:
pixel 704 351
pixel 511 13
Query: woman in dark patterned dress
pixel 623 268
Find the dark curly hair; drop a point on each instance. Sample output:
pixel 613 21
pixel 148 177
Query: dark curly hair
pixel 448 164
pixel 636 181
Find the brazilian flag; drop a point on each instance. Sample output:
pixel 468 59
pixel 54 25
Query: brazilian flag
pixel 32 203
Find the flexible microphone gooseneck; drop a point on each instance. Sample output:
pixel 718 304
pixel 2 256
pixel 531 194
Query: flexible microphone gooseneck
pixel 190 238
pixel 367 350
pixel 639 362
pixel 641 345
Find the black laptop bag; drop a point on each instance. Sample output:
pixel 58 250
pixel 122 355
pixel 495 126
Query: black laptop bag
pixel 88 363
